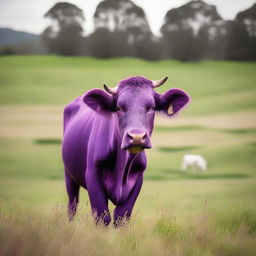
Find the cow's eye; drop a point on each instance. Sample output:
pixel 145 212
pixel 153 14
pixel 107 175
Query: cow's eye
pixel 151 109
pixel 119 109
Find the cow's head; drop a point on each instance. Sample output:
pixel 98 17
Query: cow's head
pixel 134 103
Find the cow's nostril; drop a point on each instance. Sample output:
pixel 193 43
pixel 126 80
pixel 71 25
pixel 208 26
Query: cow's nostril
pixel 137 138
pixel 130 135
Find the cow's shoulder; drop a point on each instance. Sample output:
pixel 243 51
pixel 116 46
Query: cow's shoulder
pixel 70 110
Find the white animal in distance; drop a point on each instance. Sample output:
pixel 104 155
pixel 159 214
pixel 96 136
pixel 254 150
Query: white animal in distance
pixel 196 161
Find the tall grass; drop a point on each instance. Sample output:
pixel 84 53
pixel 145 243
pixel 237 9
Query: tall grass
pixel 160 234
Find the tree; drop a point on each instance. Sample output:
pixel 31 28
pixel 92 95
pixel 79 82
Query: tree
pixel 191 31
pixel 122 16
pixel 106 44
pixel 64 35
pixel 121 29
pixel 242 36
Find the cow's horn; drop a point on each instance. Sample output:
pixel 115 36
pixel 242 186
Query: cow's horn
pixel 159 82
pixel 111 90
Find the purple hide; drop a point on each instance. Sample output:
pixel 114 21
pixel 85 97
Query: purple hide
pixel 104 140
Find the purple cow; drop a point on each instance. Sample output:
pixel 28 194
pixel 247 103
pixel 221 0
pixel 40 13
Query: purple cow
pixel 105 135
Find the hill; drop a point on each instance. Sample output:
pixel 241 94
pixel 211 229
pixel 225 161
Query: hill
pixel 12 37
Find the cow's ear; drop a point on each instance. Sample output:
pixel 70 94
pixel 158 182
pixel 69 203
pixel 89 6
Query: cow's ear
pixel 99 100
pixel 172 101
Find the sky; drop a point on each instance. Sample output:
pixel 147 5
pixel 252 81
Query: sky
pixel 27 15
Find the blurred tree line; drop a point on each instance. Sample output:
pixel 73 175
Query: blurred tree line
pixel 194 31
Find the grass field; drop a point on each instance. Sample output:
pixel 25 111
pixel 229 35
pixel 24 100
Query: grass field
pixel 212 213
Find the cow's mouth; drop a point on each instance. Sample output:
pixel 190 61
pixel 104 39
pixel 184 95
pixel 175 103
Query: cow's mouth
pixel 135 149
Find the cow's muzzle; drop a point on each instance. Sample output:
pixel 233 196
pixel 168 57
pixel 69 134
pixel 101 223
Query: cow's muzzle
pixel 136 141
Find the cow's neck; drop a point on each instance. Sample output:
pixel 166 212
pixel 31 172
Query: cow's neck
pixel 122 179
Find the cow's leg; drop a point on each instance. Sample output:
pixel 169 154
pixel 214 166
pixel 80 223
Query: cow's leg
pixel 73 194
pixel 124 210
pixel 98 198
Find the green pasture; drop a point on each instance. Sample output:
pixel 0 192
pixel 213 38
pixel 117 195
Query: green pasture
pixel 177 213
pixel 214 87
